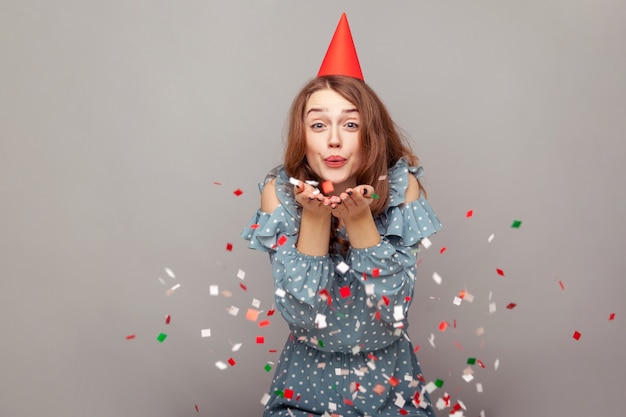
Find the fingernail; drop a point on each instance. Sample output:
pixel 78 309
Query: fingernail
pixel 364 191
pixel 349 193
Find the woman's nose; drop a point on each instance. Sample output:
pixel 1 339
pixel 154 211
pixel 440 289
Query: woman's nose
pixel 334 141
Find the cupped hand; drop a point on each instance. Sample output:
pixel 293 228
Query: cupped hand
pixel 353 203
pixel 311 200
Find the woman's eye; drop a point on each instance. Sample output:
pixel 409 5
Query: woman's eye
pixel 352 125
pixel 317 125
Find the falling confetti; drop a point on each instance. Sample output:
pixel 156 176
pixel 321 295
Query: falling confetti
pixel 130 337
pixel 511 306
pixel 516 224
pixel 490 238
pixel 168 319
pixel 612 317
pixel 229 247
pixel 442 250
pixel 576 335
pixel 561 285
pixel 238 192
pixel 328 187
pixel 437 278
pixel 170 273
pixel 161 337
pixel 469 213
pixel 500 272
pixel 205 332
pixel 375 196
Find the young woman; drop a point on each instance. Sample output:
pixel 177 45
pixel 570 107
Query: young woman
pixel 344 260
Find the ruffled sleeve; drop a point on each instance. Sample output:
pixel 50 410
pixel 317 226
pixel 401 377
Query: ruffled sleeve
pixel 388 269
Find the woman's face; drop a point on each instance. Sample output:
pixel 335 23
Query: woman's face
pixel 332 138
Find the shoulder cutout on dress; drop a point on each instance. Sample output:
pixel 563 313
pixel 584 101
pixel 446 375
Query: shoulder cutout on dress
pixel 413 190
pixel 269 199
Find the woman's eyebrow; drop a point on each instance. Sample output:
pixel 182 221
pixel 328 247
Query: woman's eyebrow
pixel 320 110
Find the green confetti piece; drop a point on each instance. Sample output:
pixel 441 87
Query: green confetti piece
pixel 375 196
pixel 439 383
pixel 341 315
pixel 279 393
pixel 471 361
pixel 516 224
pixel 321 343
pixel 161 337
pixel 268 367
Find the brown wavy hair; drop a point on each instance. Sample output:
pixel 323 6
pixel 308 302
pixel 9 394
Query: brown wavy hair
pixel 382 145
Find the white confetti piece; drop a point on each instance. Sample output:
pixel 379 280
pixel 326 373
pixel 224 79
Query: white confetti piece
pixel 342 372
pixel 496 364
pixel 457 301
pixel 236 347
pixel 221 365
pixel 320 321
pixel 431 339
pixel 256 303
pixel 482 413
pixel 480 331
pixel 205 332
pixel 356 349
pixel 315 191
pixel 430 387
pixel 214 290
pixel 332 406
pixel 426 243
pixel 492 308
pixel 313 183
pixel 399 401
pixel 382 178
pixel 369 289
pixel 468 377
pixel 479 387
pixel 468 297
pixel 241 274
pixel 280 292
pixel 161 280
pixel 437 278
pixel 490 238
pixel 343 267
pixel 170 273
pixel 227 293
pixel 265 399
pixel 398 313
pixel 233 311
pixel 171 290
pixel 294 181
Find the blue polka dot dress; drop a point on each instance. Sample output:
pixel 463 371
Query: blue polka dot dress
pixel 348 353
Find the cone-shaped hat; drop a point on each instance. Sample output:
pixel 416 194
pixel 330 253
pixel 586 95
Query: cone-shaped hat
pixel 341 58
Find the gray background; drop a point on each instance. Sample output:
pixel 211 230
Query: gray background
pixel 119 117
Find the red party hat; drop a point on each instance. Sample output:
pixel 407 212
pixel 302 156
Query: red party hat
pixel 341 58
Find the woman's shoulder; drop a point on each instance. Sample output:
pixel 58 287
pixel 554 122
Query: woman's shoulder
pixel 276 190
pixel 403 184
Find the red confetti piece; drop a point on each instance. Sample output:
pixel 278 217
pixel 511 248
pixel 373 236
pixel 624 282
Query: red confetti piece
pixel 327 187
pixel 254 226
pixel 273 351
pixel 577 335
pixel 375 272
pixel 298 397
pixel 416 349
pixel 348 401
pixel 229 247
pixel 324 292
pixel 612 317
pixel 561 285
pixel 238 192
pixel 130 337
pixel 344 291
pixel 167 319
pixel 197 409
pixel 377 315
pixel 386 300
pixel 364 276
pixel 217 183
pixel 264 323
pixel 243 287
pixel 458 345
pixel 393 381
pixel 403 412
pixel 282 240
pixel 500 272
pixel 271 312
pixel 469 214
pixel 511 306
pixel 407 299
pixel 231 362
pixel 454 323
pixel 443 326
pixel 480 363
pixel 288 394
pixel 260 340
pixel 442 250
